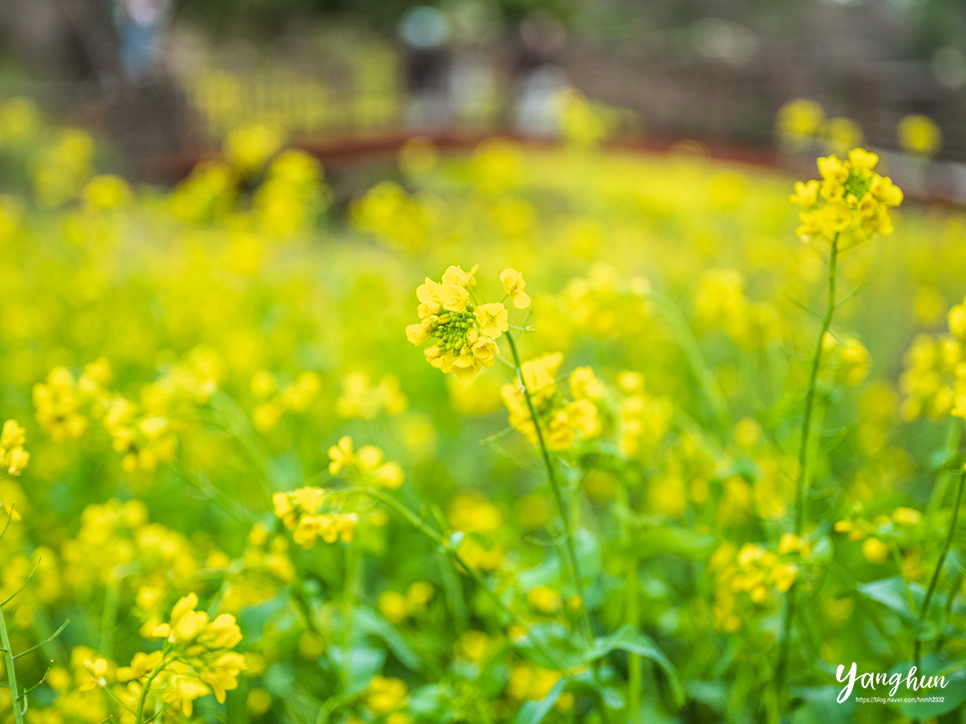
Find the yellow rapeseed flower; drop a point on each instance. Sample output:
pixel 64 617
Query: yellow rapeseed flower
pixel 514 284
pixel 464 332
pixel 492 319
pixel 851 199
pixel 13 456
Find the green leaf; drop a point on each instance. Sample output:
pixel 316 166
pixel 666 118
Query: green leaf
pixel 629 639
pixel 891 593
pixel 368 622
pixel 710 693
pixel 545 573
pixel 534 712
pixel 426 701
pixel 588 555
pixel 676 541
pixel 359 664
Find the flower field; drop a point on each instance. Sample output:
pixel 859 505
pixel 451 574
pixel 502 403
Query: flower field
pixel 517 435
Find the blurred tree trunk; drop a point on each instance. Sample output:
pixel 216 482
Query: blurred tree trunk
pixel 71 53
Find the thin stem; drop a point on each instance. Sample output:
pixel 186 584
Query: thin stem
pixel 907 589
pixel 695 359
pixel 139 714
pixel 942 559
pixel 957 582
pixel 635 669
pixel 349 601
pixel 238 425
pixel 803 455
pixel 236 510
pixel 11 671
pixel 954 429
pixel 810 395
pixel 558 497
pixel 39 683
pixel 158 714
pixel 444 545
pixel 46 641
pixel 16 593
pixel 107 690
pixel 109 617
pixel 9 521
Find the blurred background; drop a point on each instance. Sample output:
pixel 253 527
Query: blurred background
pixel 163 80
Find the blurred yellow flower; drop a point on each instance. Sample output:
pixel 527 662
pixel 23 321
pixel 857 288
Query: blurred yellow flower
pixel 514 284
pixel 798 121
pixel 874 550
pixel 919 135
pixel 250 147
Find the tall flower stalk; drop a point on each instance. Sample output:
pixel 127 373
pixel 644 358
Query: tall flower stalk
pixel 849 206
pixel 463 332
pixel 801 492
pixel 558 497
pixel 802 489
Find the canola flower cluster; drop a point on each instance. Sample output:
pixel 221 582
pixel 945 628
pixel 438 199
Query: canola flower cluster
pixel 464 333
pixel 299 511
pixel 143 434
pixel 13 456
pixel 197 658
pixel 901 528
pixel 934 379
pixel 304 511
pixel 295 397
pixel 851 200
pixel 398 606
pixel 751 576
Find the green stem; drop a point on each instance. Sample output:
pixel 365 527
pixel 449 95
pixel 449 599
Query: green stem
pixel 810 395
pixel 139 714
pixel 802 490
pixel 349 601
pixel 109 617
pixel 558 498
pixel 43 643
pixel 11 671
pixel 897 557
pixel 957 582
pixel 635 669
pixel 942 559
pixel 954 431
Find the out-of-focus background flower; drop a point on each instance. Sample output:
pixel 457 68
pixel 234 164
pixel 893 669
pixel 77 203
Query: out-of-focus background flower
pixel 165 79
